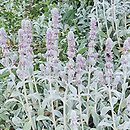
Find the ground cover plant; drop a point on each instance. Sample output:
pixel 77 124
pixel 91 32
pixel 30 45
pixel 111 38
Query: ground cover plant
pixel 65 66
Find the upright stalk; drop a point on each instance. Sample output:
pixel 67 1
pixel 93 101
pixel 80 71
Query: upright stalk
pixel 112 109
pixel 52 106
pixel 123 91
pixel 104 13
pixel 125 20
pixel 80 107
pixel 64 107
pixel 95 105
pixel 36 91
pixel 88 86
pixel 97 17
pixel 27 103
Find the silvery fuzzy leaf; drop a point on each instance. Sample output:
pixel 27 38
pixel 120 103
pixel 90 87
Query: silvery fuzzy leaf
pixel 105 110
pixel 15 94
pixel 17 121
pixel 34 96
pixel 41 117
pixel 96 118
pixel 18 129
pixel 60 127
pixel 12 76
pixel 27 126
pixel 2 70
pixel 116 93
pixel 58 113
pixel 10 84
pixel 105 123
pixel 11 100
pixel 19 84
pixel 114 100
pixel 73 90
pixel 45 102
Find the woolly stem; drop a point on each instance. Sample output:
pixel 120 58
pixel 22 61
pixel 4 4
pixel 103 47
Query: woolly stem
pixel 104 13
pixel 27 103
pixel 64 107
pixel 80 108
pixel 123 91
pixel 89 76
pixel 112 109
pixel 36 91
pixel 52 106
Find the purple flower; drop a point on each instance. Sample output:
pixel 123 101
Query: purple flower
pixel 80 62
pixel 26 26
pixel 126 46
pixel 117 79
pixel 109 45
pixel 80 66
pixel 55 17
pixel 49 39
pixel 3 37
pixel 93 29
pixel 71 44
pixel 98 74
pixel 124 60
pixel 25 66
pixel 108 59
pixel 92 58
pixel 108 56
pixel 51 49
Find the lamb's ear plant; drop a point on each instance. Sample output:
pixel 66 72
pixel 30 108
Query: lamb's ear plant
pixel 87 90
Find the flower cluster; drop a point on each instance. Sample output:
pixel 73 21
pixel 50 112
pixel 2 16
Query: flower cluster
pixel 125 56
pixel 3 42
pixel 25 66
pixel 117 79
pixel 9 57
pixel 55 26
pixel 71 55
pixel 99 77
pixel 52 42
pixel 71 45
pixel 5 48
pixel 109 60
pixel 80 66
pixel 92 56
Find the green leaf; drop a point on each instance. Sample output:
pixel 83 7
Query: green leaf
pixel 82 50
